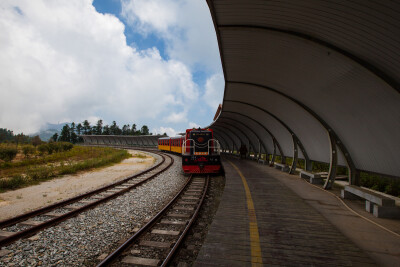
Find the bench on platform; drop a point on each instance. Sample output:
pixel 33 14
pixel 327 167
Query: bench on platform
pixel 281 167
pixel 380 206
pixel 261 161
pixel 315 178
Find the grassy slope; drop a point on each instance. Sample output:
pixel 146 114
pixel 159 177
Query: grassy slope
pixel 34 170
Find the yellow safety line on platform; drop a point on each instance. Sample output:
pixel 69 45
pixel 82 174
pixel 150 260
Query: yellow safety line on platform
pixel 256 259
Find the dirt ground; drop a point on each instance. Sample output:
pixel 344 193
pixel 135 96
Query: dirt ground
pixel 22 200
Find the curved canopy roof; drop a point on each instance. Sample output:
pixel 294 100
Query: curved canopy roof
pixel 309 74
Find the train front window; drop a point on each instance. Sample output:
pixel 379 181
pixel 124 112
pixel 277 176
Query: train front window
pixel 201 140
pixel 201 137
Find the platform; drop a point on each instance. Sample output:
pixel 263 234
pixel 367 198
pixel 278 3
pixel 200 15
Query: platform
pixel 293 223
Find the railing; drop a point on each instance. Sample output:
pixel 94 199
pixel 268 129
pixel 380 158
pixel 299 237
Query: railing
pixel 214 149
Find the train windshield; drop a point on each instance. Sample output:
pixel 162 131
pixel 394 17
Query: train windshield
pixel 201 140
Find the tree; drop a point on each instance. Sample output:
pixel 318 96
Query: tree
pixel 79 128
pixel 86 127
pixel 99 127
pixel 133 129
pixel 114 129
pixel 144 130
pixel 54 137
pixel 106 130
pixel 126 130
pixel 21 138
pixel 72 135
pixel 36 140
pixel 65 135
pixel 6 135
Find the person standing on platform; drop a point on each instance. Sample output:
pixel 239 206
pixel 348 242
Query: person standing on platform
pixel 243 151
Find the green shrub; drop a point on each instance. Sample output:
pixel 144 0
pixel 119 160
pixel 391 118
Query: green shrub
pixel 8 153
pixel 66 146
pixel 43 148
pixel 140 156
pixel 386 185
pixel 320 166
pixel 12 183
pixel 68 162
pixel 28 150
pixel 52 147
pixel 40 173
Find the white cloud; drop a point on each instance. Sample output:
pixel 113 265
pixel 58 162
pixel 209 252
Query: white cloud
pixel 149 15
pixel 176 117
pixel 186 25
pixel 193 125
pixel 168 130
pixel 213 95
pixel 93 120
pixel 63 61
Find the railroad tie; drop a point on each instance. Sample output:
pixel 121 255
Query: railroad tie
pixel 129 184
pixel 106 194
pixel 178 215
pixel 86 201
pixel 122 187
pixel 113 190
pixel 5 234
pixel 190 198
pixel 30 223
pixel 187 202
pixel 183 208
pixel 52 214
pixel 72 207
pixel 141 261
pixel 192 194
pixel 4 252
pixel 97 197
pixel 194 191
pixel 164 232
pixel 156 244
pixel 173 222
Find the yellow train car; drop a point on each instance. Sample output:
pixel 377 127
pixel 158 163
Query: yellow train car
pixel 172 144
pixel 163 144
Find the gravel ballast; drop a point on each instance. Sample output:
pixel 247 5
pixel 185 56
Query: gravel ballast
pixel 79 241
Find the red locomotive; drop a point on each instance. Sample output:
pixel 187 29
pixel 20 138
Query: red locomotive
pixel 200 151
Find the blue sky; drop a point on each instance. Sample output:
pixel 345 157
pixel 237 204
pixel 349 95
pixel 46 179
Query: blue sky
pixel 151 62
pixel 132 37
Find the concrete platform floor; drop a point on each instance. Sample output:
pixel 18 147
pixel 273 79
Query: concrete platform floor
pixel 293 223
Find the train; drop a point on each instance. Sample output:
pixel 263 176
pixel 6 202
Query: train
pixel 199 150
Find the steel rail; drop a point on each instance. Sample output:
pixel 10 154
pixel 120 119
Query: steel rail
pixel 25 216
pixel 34 229
pixel 144 229
pixel 187 228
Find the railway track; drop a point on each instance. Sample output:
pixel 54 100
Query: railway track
pixel 30 223
pixel 156 242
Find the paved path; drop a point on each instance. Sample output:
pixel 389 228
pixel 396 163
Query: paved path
pixel 294 229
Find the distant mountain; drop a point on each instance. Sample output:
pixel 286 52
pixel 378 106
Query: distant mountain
pixel 48 130
pixel 52 126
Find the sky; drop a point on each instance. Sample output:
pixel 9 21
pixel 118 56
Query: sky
pixel 153 62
